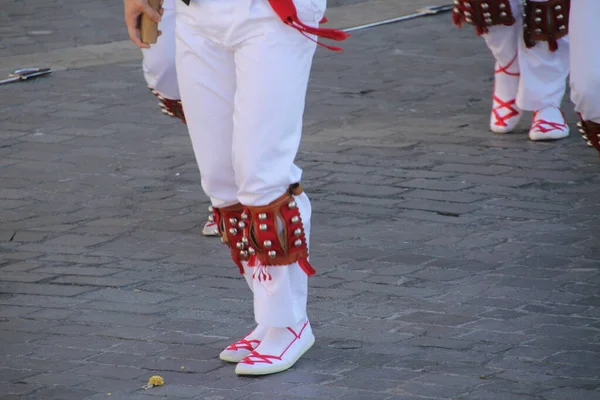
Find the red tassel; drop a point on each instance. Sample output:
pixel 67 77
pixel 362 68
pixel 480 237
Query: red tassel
pixel 306 267
pixel 286 10
pixel 324 20
pixel 332 48
pixel 239 265
pixel 253 261
pixel 327 33
pixel 480 31
pixel 553 45
pixel 457 19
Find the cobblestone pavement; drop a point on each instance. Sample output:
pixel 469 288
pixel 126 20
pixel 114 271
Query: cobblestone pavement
pixel 453 263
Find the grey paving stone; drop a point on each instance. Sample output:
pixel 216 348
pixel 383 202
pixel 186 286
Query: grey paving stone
pixel 43 289
pixel 18 389
pixel 58 393
pixel 109 317
pixel 431 184
pixel 10 374
pixel 58 379
pixel 61 353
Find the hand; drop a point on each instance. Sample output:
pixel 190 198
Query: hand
pixel 133 10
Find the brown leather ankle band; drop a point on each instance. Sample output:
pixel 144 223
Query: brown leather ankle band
pixel 482 13
pixel 546 22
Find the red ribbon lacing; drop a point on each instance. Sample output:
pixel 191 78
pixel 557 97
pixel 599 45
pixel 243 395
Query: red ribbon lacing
pixel 543 126
pixel 504 68
pixel 286 10
pixel 243 345
pixel 513 112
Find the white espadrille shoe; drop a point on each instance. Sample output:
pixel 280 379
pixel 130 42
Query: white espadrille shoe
pixel 278 351
pixel 548 124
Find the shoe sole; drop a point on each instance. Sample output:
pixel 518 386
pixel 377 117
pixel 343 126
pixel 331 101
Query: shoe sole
pixel 278 368
pixel 224 357
pixel 548 137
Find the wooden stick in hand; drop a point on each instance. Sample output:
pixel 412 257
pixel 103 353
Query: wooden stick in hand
pixel 149 28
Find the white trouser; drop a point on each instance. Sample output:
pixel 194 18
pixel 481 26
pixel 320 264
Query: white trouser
pixel 159 60
pixel 543 73
pixel 243 76
pixel 585 58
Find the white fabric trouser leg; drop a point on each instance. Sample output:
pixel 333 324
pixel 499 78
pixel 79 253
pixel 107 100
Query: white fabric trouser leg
pixel 543 73
pixel 159 60
pixel 585 58
pixel 243 76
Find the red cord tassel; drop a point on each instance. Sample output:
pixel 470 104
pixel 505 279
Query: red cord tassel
pixel 286 10
pixel 253 261
pixel 457 19
pixel 239 265
pixel 306 267
pixel 480 31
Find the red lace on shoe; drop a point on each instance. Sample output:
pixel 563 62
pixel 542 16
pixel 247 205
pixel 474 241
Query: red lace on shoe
pixel 512 112
pixel 243 344
pixel 543 126
pixel 257 358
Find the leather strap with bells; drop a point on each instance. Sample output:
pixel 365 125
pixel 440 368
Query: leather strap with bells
pixel 170 107
pixel 228 220
pixel 276 233
pixel 546 22
pixel 482 14
pixel 590 131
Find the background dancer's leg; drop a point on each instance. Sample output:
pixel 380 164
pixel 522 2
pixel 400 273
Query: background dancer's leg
pixel 502 42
